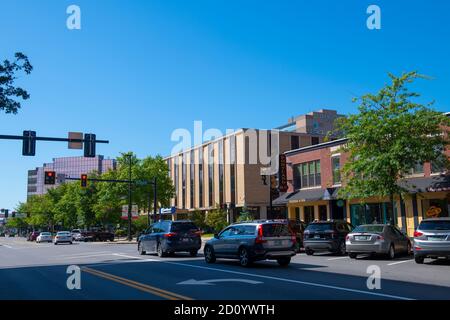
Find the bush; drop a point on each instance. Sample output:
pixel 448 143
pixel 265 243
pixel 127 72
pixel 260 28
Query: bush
pixel 216 219
pixel 245 216
pixel 199 219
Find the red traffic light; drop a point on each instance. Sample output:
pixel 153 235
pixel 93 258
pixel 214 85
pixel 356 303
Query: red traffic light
pixel 50 177
pixel 84 179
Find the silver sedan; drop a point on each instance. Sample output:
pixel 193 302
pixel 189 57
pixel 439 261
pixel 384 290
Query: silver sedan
pixel 377 239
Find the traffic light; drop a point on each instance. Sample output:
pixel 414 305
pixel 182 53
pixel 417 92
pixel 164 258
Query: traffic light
pixel 84 180
pixel 89 145
pixel 29 143
pixel 6 213
pixel 13 214
pixel 50 177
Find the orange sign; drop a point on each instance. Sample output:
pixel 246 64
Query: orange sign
pixel 433 211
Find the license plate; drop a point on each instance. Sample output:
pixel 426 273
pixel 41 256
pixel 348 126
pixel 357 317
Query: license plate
pixel 361 238
pixel 277 242
pixel 317 236
pixel 436 238
pixel 185 240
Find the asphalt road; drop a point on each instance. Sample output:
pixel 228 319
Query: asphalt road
pixel 117 271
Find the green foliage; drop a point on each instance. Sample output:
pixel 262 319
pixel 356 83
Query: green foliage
pixel 216 219
pixel 100 203
pixel 390 134
pixel 16 223
pixel 8 92
pixel 245 215
pixel 140 224
pixel 199 219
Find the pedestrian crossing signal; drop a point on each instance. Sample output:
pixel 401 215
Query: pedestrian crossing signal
pixel 50 178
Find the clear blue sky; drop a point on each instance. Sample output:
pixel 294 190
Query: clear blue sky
pixel 140 69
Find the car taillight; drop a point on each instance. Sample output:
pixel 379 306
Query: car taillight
pixel 347 238
pixel 259 238
pixel 380 238
pixel 170 234
pixel 417 234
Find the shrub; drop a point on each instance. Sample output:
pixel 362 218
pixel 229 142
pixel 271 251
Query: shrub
pixel 216 219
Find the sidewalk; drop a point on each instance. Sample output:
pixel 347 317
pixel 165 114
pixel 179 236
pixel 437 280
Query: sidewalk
pixel 124 240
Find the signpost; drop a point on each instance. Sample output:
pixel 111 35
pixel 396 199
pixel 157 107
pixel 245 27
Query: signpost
pixel 134 212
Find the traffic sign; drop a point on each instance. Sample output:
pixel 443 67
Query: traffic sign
pixel 77 136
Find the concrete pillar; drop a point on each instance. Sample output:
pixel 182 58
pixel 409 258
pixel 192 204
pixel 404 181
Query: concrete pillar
pixel 302 213
pixel 316 212
pixel 263 212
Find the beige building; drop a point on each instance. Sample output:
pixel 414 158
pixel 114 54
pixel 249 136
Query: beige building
pixel 226 172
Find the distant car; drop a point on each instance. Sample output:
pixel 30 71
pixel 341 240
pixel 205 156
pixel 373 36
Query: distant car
pixel 32 236
pixel 44 237
pixel 377 239
pixel 326 236
pixel 167 237
pixel 253 241
pixel 77 235
pixel 298 227
pixel 432 239
pixel 63 237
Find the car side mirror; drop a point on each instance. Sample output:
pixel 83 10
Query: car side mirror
pixel 216 236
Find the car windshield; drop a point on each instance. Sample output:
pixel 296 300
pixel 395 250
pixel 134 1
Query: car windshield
pixel 320 227
pixel 435 225
pixel 369 228
pixel 275 230
pixel 63 233
pixel 183 227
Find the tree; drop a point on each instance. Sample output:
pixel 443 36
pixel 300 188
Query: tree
pixel 8 91
pixel 389 136
pixel 216 219
pixel 199 219
pixel 245 215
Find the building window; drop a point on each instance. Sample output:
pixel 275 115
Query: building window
pixel 200 177
pixel 211 174
pixel 309 214
pixel 295 142
pixel 191 179
pixel 297 213
pixel 336 167
pixel 183 180
pixel 297 176
pixel 221 180
pixel 439 165
pixel 417 169
pixel 435 208
pixel 315 140
pixel 310 174
pixel 233 168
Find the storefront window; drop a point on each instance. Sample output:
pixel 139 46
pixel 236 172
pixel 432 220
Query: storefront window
pixel 323 213
pixel 435 208
pixel 309 214
pixel 372 213
pixel 336 167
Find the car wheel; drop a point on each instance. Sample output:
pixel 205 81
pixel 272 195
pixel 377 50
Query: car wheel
pixel 352 255
pixel 284 262
pixel 70 242
pixel 309 252
pixel 193 253
pixel 409 249
pixel 244 258
pixel 342 249
pixel 141 249
pixel 56 243
pixel 210 257
pixel 391 252
pixel 160 251
pixel 419 259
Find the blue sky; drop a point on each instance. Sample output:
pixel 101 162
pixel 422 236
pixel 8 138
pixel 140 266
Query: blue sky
pixel 137 70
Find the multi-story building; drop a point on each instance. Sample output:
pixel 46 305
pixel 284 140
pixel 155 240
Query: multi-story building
pixel 314 178
pixel 70 166
pixel 226 171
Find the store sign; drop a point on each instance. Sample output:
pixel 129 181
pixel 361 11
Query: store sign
pixel 134 212
pixel 282 174
pixel 433 212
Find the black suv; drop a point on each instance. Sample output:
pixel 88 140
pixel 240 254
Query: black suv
pixel 326 236
pixel 167 237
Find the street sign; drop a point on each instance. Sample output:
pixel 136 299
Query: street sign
pixel 78 136
pixel 171 210
pixel 134 212
pixel 282 174
pixel 61 178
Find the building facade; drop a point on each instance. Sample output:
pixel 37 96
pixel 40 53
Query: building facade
pixel 226 172
pixel 314 178
pixel 70 166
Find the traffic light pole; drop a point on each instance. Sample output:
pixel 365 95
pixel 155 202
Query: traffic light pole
pixel 129 200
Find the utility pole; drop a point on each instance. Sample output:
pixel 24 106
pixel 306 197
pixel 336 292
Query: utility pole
pixel 130 238
pixel 155 201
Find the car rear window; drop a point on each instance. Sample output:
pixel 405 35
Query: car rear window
pixel 276 230
pixel 183 227
pixel 375 229
pixel 320 227
pixel 434 225
pixel 45 234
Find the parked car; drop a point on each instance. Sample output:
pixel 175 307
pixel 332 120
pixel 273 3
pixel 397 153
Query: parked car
pixel 168 237
pixel 326 236
pixel 77 235
pixel 44 237
pixel 92 235
pixel 377 239
pixel 32 236
pixel 253 241
pixel 432 239
pixel 63 237
pixel 298 227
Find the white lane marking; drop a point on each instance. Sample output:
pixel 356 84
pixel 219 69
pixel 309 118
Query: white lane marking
pixel 339 258
pixel 133 257
pixel 85 256
pixel 398 262
pixel 6 246
pixel 313 284
pixel 213 281
pixel 84 253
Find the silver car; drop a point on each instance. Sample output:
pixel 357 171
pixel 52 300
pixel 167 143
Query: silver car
pixel 377 239
pixel 63 237
pixel 44 237
pixel 432 239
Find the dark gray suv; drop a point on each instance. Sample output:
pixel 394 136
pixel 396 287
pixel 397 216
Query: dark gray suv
pixel 253 241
